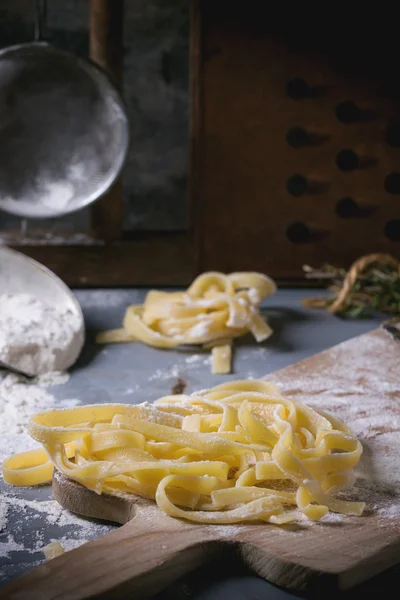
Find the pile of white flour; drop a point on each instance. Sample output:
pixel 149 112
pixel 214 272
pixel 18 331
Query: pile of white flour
pixel 35 337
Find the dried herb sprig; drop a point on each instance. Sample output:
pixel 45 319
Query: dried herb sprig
pixel 372 284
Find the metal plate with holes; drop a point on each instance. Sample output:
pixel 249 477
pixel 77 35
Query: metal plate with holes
pixel 298 157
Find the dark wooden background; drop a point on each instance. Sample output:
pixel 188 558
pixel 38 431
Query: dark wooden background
pixel 294 148
pixel 299 136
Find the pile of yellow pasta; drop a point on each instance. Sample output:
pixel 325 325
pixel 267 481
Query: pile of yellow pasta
pixel 215 309
pixel 238 452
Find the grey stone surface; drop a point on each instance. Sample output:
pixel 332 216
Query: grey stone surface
pixel 156 93
pixel 132 373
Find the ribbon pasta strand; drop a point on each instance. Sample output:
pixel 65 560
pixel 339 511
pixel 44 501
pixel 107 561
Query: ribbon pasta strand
pixel 238 452
pixel 214 310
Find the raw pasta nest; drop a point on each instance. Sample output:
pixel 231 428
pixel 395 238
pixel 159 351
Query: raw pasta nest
pixel 238 452
pixel 215 309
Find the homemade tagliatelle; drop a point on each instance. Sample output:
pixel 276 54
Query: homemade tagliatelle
pixel 215 309
pixel 238 452
pixel 53 550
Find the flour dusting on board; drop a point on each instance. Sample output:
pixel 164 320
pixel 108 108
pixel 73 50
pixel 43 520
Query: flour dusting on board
pixel 359 382
pixel 36 337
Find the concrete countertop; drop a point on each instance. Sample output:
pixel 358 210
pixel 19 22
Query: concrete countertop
pixel 134 373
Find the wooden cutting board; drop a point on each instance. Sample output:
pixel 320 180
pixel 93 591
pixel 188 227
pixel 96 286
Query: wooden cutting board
pixel 359 381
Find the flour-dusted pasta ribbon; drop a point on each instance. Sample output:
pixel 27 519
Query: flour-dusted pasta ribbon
pixel 214 310
pixel 238 452
pixel 53 550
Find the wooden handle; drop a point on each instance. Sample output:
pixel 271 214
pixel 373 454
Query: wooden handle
pixel 107 50
pixel 133 561
pixel 139 559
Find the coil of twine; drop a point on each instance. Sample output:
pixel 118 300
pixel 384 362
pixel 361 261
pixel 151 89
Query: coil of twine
pixel 351 277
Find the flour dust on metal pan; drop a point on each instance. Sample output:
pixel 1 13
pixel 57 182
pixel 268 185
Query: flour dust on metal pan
pixel 63 130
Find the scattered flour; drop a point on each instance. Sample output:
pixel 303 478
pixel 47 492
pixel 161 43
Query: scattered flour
pixel 194 358
pixel 192 362
pixel 10 545
pixel 19 399
pixel 50 513
pixel 3 516
pixel 131 390
pixel 36 338
pixel 256 354
pixel 251 375
pixel 52 378
pixel 165 374
pixel 53 513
